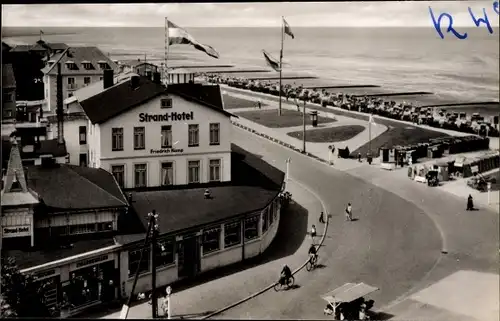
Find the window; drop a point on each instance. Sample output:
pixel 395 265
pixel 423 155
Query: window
pixel 117 139
pixel 139 138
pixel 104 227
pixel 88 66
pixel 193 135
pixel 214 170
pixel 140 171
pixel 166 136
pixel 9 113
pixel 252 228
pixel 58 230
pixel 167 174
pixel 86 81
pixel 83 135
pixel 8 97
pixel 165 253
pixel 71 83
pixel 265 216
pixel 133 262
pixel 71 66
pixel 211 240
pixel 70 94
pixel 103 65
pixel 118 172
pixel 100 78
pixel 215 134
pixel 83 160
pixel 232 234
pixel 193 172
pixel 82 229
pixel 166 103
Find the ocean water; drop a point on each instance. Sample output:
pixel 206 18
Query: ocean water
pixel 400 59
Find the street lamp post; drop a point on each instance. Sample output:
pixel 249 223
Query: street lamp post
pixel 153 216
pixel 288 168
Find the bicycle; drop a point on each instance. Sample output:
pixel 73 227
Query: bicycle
pixel 311 264
pixel 288 284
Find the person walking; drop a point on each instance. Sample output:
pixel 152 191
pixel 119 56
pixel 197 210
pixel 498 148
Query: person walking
pixel 313 233
pixel 259 104
pixel 348 212
pixel 322 218
pixel 470 203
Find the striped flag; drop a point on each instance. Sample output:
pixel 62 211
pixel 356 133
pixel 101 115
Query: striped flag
pixel 287 28
pixel 179 36
pixel 271 61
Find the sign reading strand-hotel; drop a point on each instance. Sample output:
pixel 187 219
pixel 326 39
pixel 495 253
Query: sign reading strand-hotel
pixel 172 116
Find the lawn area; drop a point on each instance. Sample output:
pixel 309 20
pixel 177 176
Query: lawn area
pixel 329 135
pixel 288 118
pixel 231 102
pixel 398 135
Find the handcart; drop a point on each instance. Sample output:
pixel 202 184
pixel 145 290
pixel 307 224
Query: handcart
pixel 348 303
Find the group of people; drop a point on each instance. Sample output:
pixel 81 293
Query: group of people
pixel 362 103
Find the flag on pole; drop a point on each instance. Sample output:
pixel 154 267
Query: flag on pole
pixel 288 30
pixel 41 32
pixel 179 36
pixel 272 62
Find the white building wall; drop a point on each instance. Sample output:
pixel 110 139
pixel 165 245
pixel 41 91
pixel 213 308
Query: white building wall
pixel 50 83
pixel 203 116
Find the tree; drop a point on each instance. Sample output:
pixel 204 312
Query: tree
pixel 21 294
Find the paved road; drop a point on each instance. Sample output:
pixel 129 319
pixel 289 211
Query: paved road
pixel 393 245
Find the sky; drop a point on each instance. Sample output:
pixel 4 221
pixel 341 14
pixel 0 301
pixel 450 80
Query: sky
pixel 250 14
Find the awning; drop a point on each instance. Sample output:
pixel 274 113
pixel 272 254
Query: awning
pixel 349 292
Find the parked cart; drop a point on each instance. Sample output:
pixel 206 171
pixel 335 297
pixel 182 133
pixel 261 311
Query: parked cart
pixel 348 303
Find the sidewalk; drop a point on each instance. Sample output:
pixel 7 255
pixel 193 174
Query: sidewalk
pixel 200 300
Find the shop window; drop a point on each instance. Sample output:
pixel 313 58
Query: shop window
pixel 211 240
pixel 58 230
pixel 105 226
pixel 133 262
pixel 119 174
pixel 232 234
pixel 265 219
pixel 214 172
pixel 82 228
pixel 139 138
pixel 215 134
pixel 193 136
pixel 252 228
pixel 117 139
pixel 193 172
pixel 165 253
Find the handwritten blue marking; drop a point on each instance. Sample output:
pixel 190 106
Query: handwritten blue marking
pixel 477 22
pixel 437 25
pixel 495 7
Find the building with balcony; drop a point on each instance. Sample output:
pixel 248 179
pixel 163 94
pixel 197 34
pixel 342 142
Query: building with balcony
pixel 80 67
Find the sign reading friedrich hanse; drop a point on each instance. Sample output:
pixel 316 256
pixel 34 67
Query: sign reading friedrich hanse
pixel 173 116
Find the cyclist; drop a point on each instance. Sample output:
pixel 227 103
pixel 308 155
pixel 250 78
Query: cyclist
pixel 286 273
pixel 313 254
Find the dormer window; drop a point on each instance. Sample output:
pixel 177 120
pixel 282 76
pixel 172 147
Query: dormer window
pixel 88 65
pixel 71 65
pixel 166 103
pixel 103 65
pixel 50 63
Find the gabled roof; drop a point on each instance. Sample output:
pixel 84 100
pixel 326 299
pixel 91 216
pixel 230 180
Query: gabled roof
pixel 15 190
pixel 22 48
pixel 77 55
pixel 68 187
pixel 98 87
pixel 122 97
pixel 8 79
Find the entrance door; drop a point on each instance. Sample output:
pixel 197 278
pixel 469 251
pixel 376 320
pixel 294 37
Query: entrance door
pixel 189 256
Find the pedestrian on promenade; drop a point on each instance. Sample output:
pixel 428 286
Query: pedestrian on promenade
pixel 322 218
pixel 470 203
pixel 259 104
pixel 313 233
pixel 359 157
pixel 348 212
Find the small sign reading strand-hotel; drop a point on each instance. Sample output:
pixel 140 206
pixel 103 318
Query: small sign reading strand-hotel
pixel 173 116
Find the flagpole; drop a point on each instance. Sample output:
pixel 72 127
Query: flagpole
pixel 167 46
pixel 304 128
pixel 281 57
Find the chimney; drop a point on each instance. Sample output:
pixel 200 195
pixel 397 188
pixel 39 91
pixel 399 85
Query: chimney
pixel 108 78
pixel 157 78
pixel 134 82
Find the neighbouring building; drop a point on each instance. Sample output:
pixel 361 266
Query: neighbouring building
pixel 142 68
pixel 180 76
pixel 8 93
pixel 80 67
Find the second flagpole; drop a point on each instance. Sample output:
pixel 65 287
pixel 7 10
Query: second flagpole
pixel 281 60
